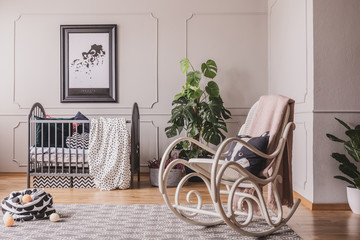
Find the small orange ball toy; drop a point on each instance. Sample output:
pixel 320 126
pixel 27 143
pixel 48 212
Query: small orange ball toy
pixel 26 198
pixel 8 220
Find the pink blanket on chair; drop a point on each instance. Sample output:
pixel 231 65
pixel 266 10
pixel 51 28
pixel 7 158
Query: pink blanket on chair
pixel 269 117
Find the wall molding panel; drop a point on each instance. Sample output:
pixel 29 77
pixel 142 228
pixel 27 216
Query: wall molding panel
pixel 305 89
pixel 14 158
pixel 154 87
pixel 302 179
pixel 242 18
pixel 336 111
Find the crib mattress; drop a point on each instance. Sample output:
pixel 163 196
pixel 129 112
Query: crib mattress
pixel 49 155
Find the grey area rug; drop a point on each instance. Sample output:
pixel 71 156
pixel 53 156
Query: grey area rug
pixel 83 221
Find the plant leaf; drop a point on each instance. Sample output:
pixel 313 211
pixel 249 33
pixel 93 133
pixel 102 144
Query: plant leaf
pixel 212 133
pixel 354 136
pixel 346 166
pixel 352 150
pixel 209 69
pixel 348 171
pixel 343 123
pixel 170 131
pixel 226 113
pixel 193 78
pixel 185 144
pixel 333 138
pixel 357 182
pixel 179 95
pixel 212 89
pixel 345 179
pixel 184 65
pixel 341 158
pixel 195 94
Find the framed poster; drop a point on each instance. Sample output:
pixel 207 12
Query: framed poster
pixel 88 63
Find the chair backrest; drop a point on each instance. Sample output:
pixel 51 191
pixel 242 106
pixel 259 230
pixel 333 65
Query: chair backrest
pixel 245 127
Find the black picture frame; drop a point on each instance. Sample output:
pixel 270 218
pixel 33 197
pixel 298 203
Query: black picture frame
pixel 88 63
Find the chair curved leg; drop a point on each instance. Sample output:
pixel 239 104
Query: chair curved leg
pixel 182 212
pixel 240 226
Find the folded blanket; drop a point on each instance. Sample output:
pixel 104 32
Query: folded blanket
pixel 269 116
pixel 109 153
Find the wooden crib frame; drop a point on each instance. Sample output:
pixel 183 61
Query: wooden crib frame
pixel 71 168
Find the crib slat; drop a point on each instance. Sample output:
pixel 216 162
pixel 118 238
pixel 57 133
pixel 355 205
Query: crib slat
pixel 76 151
pixel 35 163
pixel 56 153
pixel 48 165
pixel 70 150
pixel 42 147
pixel 83 156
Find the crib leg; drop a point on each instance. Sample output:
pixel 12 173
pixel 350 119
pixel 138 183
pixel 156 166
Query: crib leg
pixel 139 176
pixel 132 180
pixel 28 180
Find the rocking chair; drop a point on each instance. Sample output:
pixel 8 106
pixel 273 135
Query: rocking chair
pixel 223 177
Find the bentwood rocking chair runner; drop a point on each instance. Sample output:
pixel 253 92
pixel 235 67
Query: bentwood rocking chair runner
pixel 235 177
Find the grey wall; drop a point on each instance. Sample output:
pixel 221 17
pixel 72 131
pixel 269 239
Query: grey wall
pixel 337 86
pixel 153 35
pixel 336 55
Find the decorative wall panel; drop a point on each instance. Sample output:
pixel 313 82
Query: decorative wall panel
pixel 37 58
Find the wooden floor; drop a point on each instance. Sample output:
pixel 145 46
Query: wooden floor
pixel 308 224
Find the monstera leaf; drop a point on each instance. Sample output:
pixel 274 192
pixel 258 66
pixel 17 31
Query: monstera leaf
pixel 209 69
pixel 193 79
pixel 184 65
pixel 212 89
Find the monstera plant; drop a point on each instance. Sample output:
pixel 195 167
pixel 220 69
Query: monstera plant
pixel 199 112
pixel 352 147
pixel 347 167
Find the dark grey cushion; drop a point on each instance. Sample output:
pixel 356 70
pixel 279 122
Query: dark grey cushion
pixel 246 158
pixel 80 116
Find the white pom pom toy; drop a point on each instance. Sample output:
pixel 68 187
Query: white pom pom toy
pixel 8 219
pixel 54 217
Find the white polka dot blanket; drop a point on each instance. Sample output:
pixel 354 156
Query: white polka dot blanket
pixel 40 205
pixel 109 153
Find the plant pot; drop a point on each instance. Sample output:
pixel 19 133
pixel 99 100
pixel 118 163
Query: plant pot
pixel 174 177
pixel 353 196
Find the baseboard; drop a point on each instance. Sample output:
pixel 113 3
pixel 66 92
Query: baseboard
pixel 12 173
pixel 331 207
pixel 306 203
pixel 321 206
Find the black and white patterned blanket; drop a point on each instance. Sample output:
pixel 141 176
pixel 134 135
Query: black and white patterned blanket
pixel 78 140
pixel 39 207
pixel 109 153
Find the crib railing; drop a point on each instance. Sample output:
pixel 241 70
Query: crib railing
pixel 62 167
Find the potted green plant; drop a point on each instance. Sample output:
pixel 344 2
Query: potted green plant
pixel 352 147
pixel 199 112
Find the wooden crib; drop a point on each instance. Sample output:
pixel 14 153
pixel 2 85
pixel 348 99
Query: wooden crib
pixel 50 158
